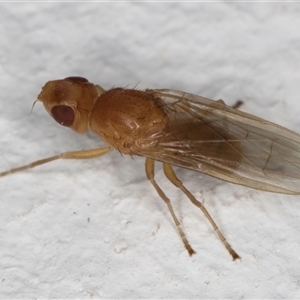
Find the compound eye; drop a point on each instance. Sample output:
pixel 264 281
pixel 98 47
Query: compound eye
pixel 63 114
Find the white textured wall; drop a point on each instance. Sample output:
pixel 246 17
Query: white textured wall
pixel 97 229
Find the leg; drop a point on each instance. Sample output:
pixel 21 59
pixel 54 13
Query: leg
pixel 149 166
pixel 173 178
pixel 237 104
pixel 84 154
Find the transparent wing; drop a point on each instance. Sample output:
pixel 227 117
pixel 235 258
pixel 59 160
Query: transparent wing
pixel 210 137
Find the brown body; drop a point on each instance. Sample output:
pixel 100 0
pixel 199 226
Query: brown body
pixel 125 119
pixel 137 123
pixel 180 129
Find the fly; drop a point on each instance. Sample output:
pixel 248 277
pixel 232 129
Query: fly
pixel 177 129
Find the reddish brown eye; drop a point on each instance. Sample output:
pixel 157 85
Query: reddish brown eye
pixel 63 114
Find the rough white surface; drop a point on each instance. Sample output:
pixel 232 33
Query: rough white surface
pixel 97 229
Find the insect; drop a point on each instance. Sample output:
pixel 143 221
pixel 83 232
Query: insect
pixel 180 129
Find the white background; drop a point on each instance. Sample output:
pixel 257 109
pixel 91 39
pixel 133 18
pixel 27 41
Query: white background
pixel 97 229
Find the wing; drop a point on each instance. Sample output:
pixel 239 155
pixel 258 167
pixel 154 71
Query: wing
pixel 207 136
